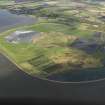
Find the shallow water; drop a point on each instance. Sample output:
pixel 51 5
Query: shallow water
pixel 8 20
pixel 79 75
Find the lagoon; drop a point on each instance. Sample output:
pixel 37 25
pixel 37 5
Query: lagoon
pixel 8 20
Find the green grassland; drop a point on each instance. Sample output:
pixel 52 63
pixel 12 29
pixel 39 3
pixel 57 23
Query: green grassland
pixel 50 53
pixel 6 2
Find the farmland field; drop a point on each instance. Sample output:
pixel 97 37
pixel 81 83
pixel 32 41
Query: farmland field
pixel 72 38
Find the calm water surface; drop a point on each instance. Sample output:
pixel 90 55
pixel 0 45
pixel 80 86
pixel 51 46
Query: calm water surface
pixel 79 75
pixel 8 20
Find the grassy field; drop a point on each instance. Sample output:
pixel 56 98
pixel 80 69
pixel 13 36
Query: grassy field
pixel 6 2
pixel 49 53
pixel 60 27
pixel 54 27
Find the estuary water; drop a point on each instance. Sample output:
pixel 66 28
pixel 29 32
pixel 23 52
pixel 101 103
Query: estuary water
pixel 79 75
pixel 8 20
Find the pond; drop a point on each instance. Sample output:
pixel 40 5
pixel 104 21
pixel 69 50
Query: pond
pixel 79 75
pixel 8 20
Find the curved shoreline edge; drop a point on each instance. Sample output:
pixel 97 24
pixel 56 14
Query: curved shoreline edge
pixel 54 81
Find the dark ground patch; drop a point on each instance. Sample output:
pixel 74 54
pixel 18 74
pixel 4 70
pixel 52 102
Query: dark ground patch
pixel 88 46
